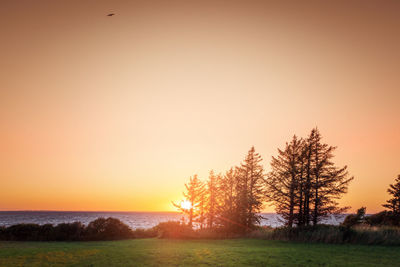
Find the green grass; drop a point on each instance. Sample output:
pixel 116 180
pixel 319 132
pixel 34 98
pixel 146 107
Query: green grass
pixel 161 252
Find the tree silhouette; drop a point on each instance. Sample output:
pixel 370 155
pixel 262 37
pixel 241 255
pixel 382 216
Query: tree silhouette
pixel 393 204
pixel 250 188
pixel 228 197
pixel 284 183
pixel 304 183
pixel 329 182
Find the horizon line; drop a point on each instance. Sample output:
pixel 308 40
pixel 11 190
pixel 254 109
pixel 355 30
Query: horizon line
pixel 32 210
pixel 101 211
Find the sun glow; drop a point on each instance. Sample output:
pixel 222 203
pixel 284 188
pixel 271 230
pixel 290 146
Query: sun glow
pixel 186 204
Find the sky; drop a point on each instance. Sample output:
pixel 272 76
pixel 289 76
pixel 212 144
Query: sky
pixel 116 112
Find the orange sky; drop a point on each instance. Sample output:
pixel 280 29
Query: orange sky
pixel 115 113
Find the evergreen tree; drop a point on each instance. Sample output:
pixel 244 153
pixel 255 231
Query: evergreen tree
pixel 329 182
pixel 393 204
pixel 304 183
pixel 227 207
pixel 194 194
pixel 250 188
pixel 307 193
pixel 284 181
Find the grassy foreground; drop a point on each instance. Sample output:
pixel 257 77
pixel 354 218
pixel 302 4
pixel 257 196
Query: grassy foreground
pixel 161 252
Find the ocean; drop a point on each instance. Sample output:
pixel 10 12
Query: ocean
pixel 133 219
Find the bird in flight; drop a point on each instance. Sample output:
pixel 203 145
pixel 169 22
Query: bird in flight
pixel 110 15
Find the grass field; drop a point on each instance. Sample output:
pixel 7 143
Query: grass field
pixel 160 252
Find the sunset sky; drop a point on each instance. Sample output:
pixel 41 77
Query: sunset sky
pixel 116 113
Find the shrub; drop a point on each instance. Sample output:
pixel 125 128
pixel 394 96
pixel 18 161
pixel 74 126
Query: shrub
pixel 108 229
pixel 114 229
pixel 68 231
pixel 354 219
pixel 46 232
pixel 145 233
pixel 174 230
pixel 383 218
pixel 3 234
pixel 22 232
pixel 100 229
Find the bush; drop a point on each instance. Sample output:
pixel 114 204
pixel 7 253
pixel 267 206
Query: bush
pixel 145 233
pixel 108 229
pixel 355 219
pixel 46 233
pixel 383 218
pixel 22 232
pixel 3 232
pixel 174 230
pixel 114 229
pixel 99 229
pixel 68 232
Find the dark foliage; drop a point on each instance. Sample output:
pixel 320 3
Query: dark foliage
pixel 174 230
pixel 304 184
pixel 393 204
pixel 384 218
pixel 47 232
pixel 69 231
pixel 107 229
pixel 355 219
pixel 99 229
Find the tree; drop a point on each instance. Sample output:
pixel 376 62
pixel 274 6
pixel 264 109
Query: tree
pixel 250 189
pixel 304 183
pixel 393 204
pixel 194 194
pixel 227 207
pixel 212 203
pixel 307 183
pixel 285 181
pixel 329 182
pixel 202 210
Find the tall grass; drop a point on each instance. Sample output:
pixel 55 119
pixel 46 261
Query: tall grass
pixel 332 234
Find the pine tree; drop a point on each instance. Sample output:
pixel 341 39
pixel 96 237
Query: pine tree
pixel 251 189
pixel 304 183
pixel 393 204
pixel 301 220
pixel 329 182
pixel 227 207
pixel 284 181
pixel 307 193
pixel 194 194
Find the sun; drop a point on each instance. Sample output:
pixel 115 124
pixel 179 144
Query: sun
pixel 186 204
